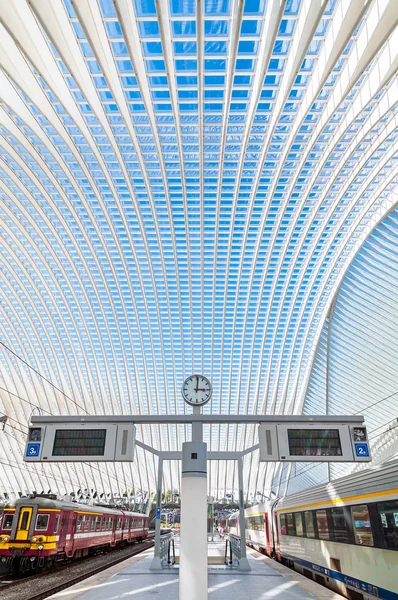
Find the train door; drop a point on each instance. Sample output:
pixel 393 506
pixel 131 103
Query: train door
pixel 70 522
pixel 62 530
pixel 113 538
pixel 25 518
pixel 267 534
pixel 276 536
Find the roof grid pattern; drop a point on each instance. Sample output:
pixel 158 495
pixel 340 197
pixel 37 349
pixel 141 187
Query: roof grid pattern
pixel 182 185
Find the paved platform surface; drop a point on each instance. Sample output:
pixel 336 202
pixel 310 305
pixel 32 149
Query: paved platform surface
pixel 132 579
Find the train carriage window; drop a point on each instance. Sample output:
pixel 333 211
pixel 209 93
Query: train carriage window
pixel 291 530
pixel 42 522
pixel 322 522
pixel 362 527
pixel 388 513
pixel 309 524
pixel 56 524
pixel 298 518
pixel 79 523
pixel 340 533
pixel 92 525
pixel 86 522
pixel 98 524
pixel 7 521
pixel 282 520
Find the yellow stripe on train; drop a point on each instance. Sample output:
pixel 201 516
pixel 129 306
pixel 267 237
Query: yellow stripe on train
pixel 339 500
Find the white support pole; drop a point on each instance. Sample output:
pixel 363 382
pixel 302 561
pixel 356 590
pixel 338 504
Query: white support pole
pixel 243 563
pixel 193 583
pixel 156 563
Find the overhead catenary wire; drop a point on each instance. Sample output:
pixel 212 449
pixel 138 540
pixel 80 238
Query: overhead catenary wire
pixel 42 376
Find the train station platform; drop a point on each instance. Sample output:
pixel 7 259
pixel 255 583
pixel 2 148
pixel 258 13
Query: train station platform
pixel 133 579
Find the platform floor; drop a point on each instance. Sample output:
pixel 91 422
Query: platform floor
pixel 133 579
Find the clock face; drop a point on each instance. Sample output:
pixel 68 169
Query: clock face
pixel 196 390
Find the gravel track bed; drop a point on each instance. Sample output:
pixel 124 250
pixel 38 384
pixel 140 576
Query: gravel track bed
pixel 43 585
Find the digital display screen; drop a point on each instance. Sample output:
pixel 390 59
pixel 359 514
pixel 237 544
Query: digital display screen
pixel 314 442
pixel 79 442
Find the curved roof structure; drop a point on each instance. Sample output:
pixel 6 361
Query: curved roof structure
pixel 183 186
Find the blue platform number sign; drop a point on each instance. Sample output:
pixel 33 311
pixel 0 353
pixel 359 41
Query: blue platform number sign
pixel 33 450
pixel 158 513
pixel 362 450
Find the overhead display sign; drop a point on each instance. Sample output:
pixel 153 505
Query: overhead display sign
pixel 314 442
pixel 91 442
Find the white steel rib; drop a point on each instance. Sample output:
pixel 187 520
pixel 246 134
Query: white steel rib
pixel 196 187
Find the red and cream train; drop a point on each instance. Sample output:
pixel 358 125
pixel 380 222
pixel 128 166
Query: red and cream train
pixel 39 532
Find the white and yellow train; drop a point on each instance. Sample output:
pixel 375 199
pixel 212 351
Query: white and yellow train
pixel 344 535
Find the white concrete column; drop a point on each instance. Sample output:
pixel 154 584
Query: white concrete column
pixel 193 541
pixel 243 562
pixel 156 563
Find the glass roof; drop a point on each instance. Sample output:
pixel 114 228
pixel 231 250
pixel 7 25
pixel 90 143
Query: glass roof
pixel 183 185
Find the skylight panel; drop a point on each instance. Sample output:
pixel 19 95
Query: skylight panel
pixel 276 194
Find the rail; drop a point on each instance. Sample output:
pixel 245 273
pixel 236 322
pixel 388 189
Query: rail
pixel 167 549
pixel 233 552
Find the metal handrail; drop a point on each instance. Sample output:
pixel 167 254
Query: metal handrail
pixel 167 549
pixel 233 545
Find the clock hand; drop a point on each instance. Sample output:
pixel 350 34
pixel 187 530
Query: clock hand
pixel 197 382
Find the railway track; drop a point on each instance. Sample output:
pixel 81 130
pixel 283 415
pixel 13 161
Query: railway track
pixel 43 585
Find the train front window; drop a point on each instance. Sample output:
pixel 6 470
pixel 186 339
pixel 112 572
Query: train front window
pixel 388 513
pixel 309 524
pixel 42 522
pixel 322 522
pixel 24 521
pixel 299 524
pixel 362 526
pixel 339 525
pixel 7 521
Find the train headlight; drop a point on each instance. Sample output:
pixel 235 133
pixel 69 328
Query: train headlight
pixel 4 538
pixel 3 559
pixel 40 547
pixel 41 539
pixel 34 540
